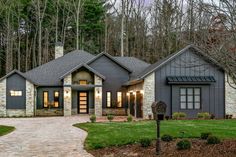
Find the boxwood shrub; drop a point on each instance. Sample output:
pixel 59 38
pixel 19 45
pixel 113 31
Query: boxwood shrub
pixel 205 135
pixel 145 142
pixel 167 138
pixel 179 115
pixel 213 140
pixel 183 144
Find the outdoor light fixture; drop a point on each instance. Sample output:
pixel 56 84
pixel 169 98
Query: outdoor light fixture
pixel 67 94
pixel 127 93
pixel 98 93
pixel 141 91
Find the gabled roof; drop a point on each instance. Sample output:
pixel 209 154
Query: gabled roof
pixel 49 74
pixel 164 61
pixel 110 57
pixel 87 67
pixel 16 72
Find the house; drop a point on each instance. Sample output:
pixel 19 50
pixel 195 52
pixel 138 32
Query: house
pixel 81 83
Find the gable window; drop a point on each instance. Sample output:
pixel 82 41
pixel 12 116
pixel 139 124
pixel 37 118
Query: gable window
pixel 45 99
pixel 119 99
pixel 83 82
pixel 15 93
pixel 56 99
pixel 190 98
pixel 108 99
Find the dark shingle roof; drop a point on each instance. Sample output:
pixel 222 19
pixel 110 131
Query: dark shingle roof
pixel 49 74
pixel 135 64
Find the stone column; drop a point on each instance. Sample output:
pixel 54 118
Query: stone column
pixel 230 96
pixel 3 98
pixel 67 95
pixel 148 94
pixel 29 99
pixel 98 96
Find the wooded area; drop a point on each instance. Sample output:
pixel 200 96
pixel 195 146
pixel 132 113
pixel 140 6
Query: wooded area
pixel 147 29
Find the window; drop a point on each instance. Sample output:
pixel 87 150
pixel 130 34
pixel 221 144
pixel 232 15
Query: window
pixel 108 99
pixel 15 93
pixel 83 82
pixel 45 99
pixel 56 99
pixel 119 99
pixel 190 98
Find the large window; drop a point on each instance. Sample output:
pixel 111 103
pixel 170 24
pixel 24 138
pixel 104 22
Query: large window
pixel 56 99
pixel 15 93
pixel 190 98
pixel 45 99
pixel 83 82
pixel 119 99
pixel 108 99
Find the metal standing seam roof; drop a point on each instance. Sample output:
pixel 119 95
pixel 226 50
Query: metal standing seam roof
pixel 190 79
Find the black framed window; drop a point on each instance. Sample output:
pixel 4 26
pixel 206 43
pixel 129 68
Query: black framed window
pixel 56 98
pixel 119 99
pixel 45 99
pixel 108 99
pixel 190 98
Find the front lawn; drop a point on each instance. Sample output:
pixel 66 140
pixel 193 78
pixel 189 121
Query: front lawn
pixel 120 133
pixel 5 129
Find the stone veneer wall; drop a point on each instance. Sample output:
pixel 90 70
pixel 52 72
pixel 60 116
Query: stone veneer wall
pixel 67 95
pixel 3 98
pixel 98 95
pixel 30 103
pixel 230 97
pixel 149 94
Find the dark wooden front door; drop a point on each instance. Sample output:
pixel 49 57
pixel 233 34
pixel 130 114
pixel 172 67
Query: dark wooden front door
pixel 132 103
pixel 139 105
pixel 82 102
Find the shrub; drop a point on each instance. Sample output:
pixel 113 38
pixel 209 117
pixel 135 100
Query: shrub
pixel 167 117
pixel 167 138
pixel 93 118
pixel 205 135
pixel 213 140
pixel 183 144
pixel 179 115
pixel 145 142
pixel 129 118
pixel 110 117
pixel 203 115
pixel 212 116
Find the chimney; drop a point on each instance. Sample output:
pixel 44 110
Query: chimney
pixel 58 50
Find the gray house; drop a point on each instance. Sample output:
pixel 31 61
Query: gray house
pixel 81 83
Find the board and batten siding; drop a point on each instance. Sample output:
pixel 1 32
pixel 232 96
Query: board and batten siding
pixel 115 75
pixel 191 64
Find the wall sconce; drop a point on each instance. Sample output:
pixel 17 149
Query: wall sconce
pixel 67 94
pixel 141 91
pixel 98 93
pixel 127 94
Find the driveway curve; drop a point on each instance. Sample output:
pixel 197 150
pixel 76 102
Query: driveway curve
pixel 44 137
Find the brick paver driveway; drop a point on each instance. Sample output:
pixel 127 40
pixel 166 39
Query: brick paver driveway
pixel 44 137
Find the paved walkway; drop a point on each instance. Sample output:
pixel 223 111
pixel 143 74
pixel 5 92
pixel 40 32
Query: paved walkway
pixel 44 137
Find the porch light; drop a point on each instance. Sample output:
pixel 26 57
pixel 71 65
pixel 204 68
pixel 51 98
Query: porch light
pixel 98 93
pixel 127 93
pixel 141 92
pixel 67 94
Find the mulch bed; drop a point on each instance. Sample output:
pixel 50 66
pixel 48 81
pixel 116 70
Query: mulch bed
pixel 199 149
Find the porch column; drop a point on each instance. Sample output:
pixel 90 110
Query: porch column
pixel 67 93
pixel 98 95
pixel 29 99
pixel 148 94
pixel 3 98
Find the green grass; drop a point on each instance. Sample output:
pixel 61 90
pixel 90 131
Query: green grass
pixel 120 133
pixel 6 129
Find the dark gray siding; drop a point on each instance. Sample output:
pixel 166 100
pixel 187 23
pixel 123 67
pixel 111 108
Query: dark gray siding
pixel 50 90
pixel 115 77
pixel 16 82
pixel 190 64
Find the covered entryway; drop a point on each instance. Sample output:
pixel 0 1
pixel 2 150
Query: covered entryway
pixel 83 103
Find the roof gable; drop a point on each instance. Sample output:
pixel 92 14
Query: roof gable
pixel 111 58
pixel 16 72
pixel 80 66
pixel 166 60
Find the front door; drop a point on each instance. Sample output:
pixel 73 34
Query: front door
pixel 132 103
pixel 82 102
pixel 139 105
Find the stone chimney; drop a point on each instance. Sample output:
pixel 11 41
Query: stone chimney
pixel 58 50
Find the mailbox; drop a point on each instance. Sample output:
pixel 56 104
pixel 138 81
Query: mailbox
pixel 159 110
